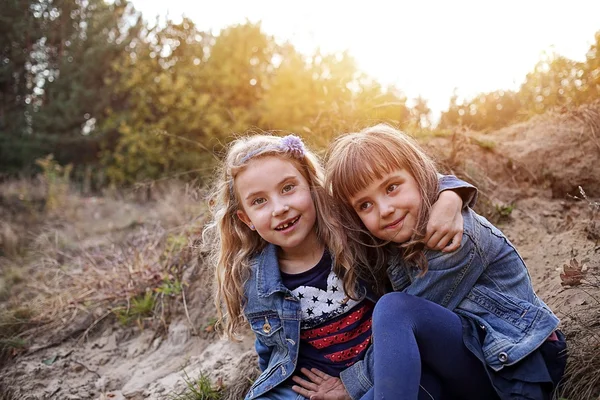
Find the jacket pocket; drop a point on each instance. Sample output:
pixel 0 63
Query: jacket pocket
pixel 508 315
pixel 267 327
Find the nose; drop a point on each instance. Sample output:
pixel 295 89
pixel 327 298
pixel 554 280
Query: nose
pixel 280 209
pixel 385 209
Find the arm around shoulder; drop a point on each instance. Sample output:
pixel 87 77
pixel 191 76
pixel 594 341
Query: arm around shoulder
pixel 467 192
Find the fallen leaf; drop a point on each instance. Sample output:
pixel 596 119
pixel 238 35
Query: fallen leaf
pixel 572 273
pixel 50 361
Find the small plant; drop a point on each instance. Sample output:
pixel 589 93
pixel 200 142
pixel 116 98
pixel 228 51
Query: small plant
pixel 504 210
pixel 141 307
pixel 170 287
pixel 200 388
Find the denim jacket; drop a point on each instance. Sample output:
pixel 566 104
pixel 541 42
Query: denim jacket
pixel 274 313
pixel 485 281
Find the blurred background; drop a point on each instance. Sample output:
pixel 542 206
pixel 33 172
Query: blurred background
pixel 127 91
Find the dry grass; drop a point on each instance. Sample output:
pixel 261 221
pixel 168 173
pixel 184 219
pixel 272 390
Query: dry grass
pixel 582 377
pixel 93 259
pixel 248 372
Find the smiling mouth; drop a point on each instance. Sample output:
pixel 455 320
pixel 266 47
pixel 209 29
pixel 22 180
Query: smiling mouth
pixel 287 224
pixel 394 224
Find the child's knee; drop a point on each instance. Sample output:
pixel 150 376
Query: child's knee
pixel 392 308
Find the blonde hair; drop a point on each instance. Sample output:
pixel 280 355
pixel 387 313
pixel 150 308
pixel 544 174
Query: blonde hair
pixel 233 245
pixel 354 161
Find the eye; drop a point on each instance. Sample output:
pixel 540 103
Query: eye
pixel 258 201
pixel 391 187
pixel 287 188
pixel 364 206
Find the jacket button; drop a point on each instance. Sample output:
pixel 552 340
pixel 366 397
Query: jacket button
pixel 503 357
pixel 266 326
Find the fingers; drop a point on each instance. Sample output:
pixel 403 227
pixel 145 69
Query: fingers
pixel 320 373
pixel 313 375
pixel 454 243
pixel 435 239
pixel 307 385
pixel 301 391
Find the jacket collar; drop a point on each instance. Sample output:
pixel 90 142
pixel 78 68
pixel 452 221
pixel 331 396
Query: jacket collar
pixel 268 277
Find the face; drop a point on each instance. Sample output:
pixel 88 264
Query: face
pixel 389 207
pixel 277 203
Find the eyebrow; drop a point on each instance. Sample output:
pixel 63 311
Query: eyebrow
pixel 281 182
pixel 381 185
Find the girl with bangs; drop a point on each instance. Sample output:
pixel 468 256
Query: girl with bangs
pixel 470 316
pixel 283 264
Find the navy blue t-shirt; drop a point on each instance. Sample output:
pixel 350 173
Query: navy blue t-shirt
pixel 335 331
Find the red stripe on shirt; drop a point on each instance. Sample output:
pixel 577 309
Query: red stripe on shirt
pixel 338 325
pixel 341 337
pixel 349 353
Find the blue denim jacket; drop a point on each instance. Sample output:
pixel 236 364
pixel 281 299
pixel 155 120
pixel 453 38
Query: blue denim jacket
pixel 274 312
pixel 485 281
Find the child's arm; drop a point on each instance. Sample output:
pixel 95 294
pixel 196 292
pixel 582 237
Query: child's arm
pixel 445 226
pixel 467 192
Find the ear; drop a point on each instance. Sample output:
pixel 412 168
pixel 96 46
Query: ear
pixel 244 218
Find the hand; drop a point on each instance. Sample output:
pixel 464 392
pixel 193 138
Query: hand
pixel 320 386
pixel 445 226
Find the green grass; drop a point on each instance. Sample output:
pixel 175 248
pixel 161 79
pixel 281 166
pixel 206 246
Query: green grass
pixel 141 307
pixel 198 389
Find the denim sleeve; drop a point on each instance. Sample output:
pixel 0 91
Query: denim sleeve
pixel 450 276
pixel 264 354
pixel 466 191
pixel 358 378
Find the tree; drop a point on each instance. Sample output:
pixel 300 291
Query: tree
pixel 20 30
pixel 554 81
pixel 421 113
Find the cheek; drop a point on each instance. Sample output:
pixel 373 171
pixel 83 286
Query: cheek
pixel 367 220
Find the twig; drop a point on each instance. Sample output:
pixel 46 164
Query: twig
pixel 187 314
pixel 91 326
pixel 84 366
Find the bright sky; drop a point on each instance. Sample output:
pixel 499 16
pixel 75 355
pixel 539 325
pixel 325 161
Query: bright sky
pixel 424 47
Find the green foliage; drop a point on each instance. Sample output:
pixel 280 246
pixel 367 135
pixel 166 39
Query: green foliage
pixel 56 61
pixel 555 81
pixel 484 112
pixel 96 86
pixel 170 287
pixel 141 307
pixel 200 388
pixel 504 210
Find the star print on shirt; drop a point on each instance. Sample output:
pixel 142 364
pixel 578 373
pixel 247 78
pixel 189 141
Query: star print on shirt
pixel 320 305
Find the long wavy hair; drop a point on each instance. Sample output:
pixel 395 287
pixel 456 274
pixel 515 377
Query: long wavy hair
pixel 232 245
pixel 353 162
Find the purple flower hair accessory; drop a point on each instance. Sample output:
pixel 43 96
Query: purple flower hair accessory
pixel 293 145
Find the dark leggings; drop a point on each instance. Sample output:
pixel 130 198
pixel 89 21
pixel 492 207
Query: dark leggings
pixel 410 333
